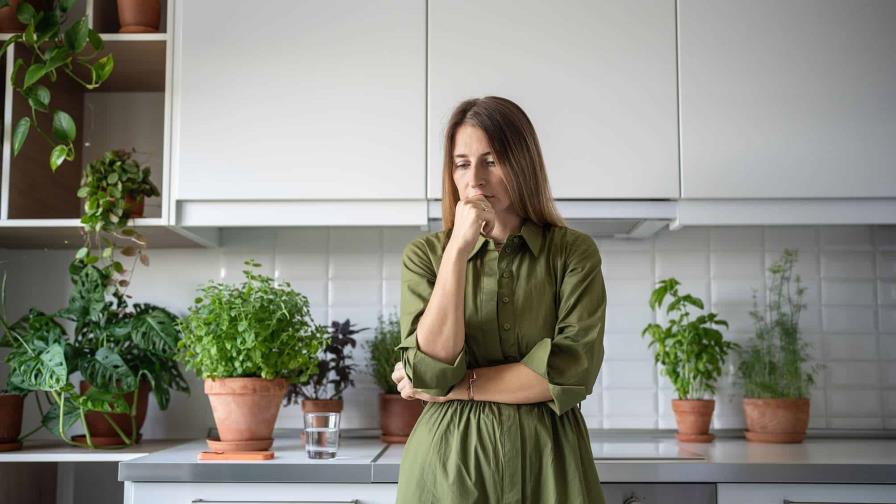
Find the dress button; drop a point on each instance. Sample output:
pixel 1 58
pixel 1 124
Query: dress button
pixel 506 325
pixel 505 299
pixel 506 274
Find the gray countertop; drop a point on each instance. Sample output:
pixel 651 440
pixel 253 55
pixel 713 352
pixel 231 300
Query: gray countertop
pixel 619 458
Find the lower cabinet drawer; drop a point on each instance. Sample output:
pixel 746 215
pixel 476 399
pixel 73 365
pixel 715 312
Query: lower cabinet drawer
pixel 738 493
pixel 260 493
pixel 659 493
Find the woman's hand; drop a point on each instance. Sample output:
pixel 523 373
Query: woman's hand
pixel 473 216
pixel 407 390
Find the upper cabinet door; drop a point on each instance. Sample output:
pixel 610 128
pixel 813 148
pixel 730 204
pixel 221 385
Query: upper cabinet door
pixel 792 99
pixel 307 100
pixel 597 79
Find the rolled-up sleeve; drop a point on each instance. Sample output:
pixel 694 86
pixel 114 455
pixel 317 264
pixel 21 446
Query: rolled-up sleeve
pixel 418 277
pixel 571 360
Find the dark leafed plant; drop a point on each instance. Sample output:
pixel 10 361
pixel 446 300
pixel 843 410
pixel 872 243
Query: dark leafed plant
pixel 257 328
pixel 774 364
pixel 106 185
pixel 690 351
pixel 334 367
pixel 73 51
pixel 383 353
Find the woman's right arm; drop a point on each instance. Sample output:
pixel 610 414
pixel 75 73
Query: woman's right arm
pixel 440 332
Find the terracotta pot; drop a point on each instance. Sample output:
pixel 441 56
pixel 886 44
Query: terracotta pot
pixel 245 409
pixel 693 417
pixel 776 420
pixel 9 23
pixel 11 420
pixel 135 207
pixel 398 417
pixel 139 16
pixel 99 427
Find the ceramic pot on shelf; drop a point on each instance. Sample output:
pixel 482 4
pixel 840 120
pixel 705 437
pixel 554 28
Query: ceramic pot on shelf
pixel 776 420
pixel 11 406
pixel 693 417
pixel 398 417
pixel 139 16
pixel 245 411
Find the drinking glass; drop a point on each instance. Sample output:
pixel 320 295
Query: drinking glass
pixel 321 434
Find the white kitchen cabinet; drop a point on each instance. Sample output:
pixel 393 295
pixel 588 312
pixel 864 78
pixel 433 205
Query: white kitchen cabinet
pixel 791 99
pixel 299 101
pixel 261 493
pixel 740 493
pixel 597 79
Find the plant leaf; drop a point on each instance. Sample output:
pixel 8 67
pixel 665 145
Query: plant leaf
pixel 64 128
pixel 76 36
pixel 20 133
pixel 57 156
pixel 34 73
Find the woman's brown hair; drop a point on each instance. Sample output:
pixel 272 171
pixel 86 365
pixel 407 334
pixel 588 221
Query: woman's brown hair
pixel 516 149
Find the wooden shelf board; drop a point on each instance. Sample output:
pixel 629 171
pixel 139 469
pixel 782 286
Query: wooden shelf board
pixel 66 234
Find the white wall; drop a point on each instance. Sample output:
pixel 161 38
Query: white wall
pixel 850 273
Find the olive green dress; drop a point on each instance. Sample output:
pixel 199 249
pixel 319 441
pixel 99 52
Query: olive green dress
pixel 539 300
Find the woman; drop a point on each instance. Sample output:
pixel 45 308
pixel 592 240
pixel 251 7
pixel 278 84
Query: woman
pixel 502 321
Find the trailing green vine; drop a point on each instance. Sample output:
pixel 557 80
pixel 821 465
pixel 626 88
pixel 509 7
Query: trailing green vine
pixel 53 51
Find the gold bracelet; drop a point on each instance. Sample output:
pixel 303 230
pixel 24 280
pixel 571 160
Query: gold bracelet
pixel 472 378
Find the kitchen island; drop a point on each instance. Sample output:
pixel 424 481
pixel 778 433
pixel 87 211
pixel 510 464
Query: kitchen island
pixel 366 470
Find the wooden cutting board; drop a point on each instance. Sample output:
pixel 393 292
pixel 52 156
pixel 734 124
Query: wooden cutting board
pixel 239 455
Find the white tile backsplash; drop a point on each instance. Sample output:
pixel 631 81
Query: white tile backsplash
pixel 849 274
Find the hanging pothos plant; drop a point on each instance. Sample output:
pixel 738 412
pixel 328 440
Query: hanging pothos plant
pixel 53 51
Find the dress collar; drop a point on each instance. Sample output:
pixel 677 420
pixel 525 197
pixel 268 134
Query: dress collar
pixel 532 234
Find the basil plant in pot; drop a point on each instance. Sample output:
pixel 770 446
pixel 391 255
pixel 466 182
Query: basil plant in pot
pixel 248 342
pixel 691 353
pixel 397 415
pixel 775 365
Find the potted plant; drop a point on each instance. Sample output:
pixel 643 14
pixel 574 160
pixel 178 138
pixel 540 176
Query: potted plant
pixel 54 47
pixel 247 342
pixel 397 415
pixel 774 365
pixel 322 392
pixel 691 353
pixel 139 16
pixel 11 405
pixel 114 188
pixel 121 353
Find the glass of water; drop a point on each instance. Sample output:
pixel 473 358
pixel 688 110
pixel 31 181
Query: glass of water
pixel 321 435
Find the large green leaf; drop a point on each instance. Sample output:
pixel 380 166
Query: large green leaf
pixel 57 156
pixel 34 73
pixel 63 126
pixel 107 371
pixel 19 134
pixel 103 68
pixel 46 370
pixel 38 97
pixel 76 36
pixel 107 402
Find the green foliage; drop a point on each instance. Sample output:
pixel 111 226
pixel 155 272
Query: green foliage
pixel 113 348
pixel 691 352
pixel 334 367
pixel 383 354
pixel 105 186
pixel 255 329
pixel 774 363
pixel 106 182
pixel 74 51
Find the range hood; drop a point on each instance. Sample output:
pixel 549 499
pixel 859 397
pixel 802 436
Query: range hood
pixel 635 219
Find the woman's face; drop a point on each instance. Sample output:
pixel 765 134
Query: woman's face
pixel 476 171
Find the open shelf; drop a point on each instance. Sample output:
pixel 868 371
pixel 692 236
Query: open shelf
pixel 66 234
pixel 128 110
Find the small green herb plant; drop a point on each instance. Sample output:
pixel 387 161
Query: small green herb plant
pixel 690 351
pixel 334 367
pixel 257 328
pixel 383 353
pixel 775 362
pixel 73 52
